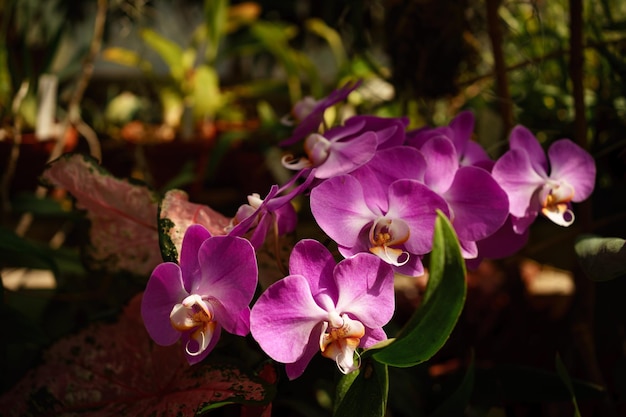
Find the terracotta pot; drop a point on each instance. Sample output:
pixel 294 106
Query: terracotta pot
pixel 32 158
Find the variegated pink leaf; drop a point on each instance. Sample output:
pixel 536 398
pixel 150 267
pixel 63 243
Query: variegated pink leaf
pixel 123 214
pixel 116 370
pixel 177 214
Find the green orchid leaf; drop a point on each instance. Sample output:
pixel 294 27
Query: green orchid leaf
pixel 458 401
pixel 564 375
pixel 602 258
pixel 207 98
pixel 19 252
pixel 216 16
pixel 363 392
pixel 169 52
pixel 431 324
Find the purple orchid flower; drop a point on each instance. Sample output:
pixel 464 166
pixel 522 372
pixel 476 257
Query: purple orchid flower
pixel 256 218
pixel 477 204
pixel 343 149
pixel 309 113
pixel 323 306
pixel 211 289
pixel 396 225
pixel 536 185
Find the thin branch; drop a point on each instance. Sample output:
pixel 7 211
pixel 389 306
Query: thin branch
pixel 494 29
pixel 536 60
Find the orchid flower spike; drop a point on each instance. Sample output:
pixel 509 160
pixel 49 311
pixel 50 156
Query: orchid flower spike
pixel 324 307
pixel 536 184
pixel 211 289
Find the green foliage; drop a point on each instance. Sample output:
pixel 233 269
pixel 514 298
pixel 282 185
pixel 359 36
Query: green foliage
pixel 431 324
pixel 602 259
pixel 363 392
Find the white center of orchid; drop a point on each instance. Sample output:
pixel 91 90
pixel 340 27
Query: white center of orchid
pixel 255 200
pixel 340 337
pixel 317 148
pixel 555 204
pixel 386 233
pixel 196 315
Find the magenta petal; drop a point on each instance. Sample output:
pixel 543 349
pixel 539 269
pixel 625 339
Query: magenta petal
pixel 478 204
pixel 346 156
pixel 365 285
pixel 339 207
pixel 442 163
pixel 195 235
pixel 229 275
pixel 475 155
pixel 372 336
pixel 415 204
pixel 462 127
pixel 283 328
pixel 163 291
pixel 504 242
pixel 295 369
pixel 517 177
pixel 522 139
pixel 572 164
pixel 313 261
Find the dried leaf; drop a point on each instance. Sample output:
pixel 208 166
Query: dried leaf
pixel 123 215
pixel 116 370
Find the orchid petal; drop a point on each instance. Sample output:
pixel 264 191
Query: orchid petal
pixel 313 261
pixel 571 163
pixel 517 177
pixel 346 156
pixel 284 329
pixel 365 285
pixel 478 204
pixel 296 368
pixel 339 207
pixel 163 291
pixel 415 204
pixel 442 163
pixel 523 140
pixel 194 236
pixel 462 127
pixel 504 242
pixel 229 275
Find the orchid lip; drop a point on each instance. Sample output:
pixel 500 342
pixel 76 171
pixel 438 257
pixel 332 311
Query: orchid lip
pixel 555 206
pixel 194 315
pixel 317 148
pixel 289 162
pixel 385 233
pixel 340 342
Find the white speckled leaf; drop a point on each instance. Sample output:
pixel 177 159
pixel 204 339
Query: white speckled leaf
pixel 115 369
